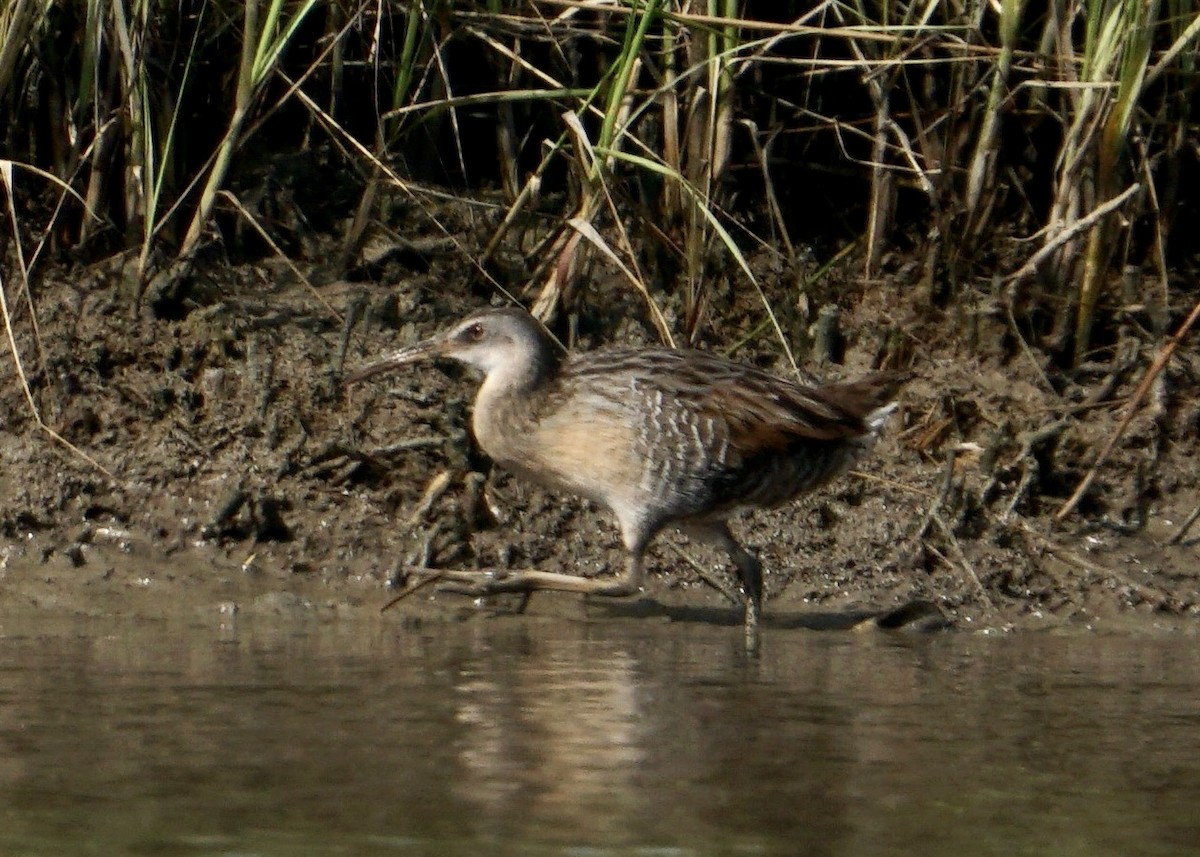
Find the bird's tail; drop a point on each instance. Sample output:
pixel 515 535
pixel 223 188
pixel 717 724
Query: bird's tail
pixel 875 420
pixel 871 398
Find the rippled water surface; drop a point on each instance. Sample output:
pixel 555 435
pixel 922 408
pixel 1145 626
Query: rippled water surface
pixel 528 736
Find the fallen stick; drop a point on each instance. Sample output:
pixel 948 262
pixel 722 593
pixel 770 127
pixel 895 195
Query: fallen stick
pixel 1135 401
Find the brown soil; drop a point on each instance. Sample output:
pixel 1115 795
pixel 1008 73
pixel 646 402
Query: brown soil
pixel 246 476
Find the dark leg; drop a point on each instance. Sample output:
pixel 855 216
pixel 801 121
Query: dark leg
pixel 716 533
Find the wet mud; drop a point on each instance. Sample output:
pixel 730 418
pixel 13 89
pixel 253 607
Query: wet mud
pixel 200 453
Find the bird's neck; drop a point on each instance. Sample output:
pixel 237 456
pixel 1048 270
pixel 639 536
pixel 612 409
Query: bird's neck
pixel 519 377
pixel 509 401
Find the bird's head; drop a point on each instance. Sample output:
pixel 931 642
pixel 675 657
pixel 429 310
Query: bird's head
pixel 503 342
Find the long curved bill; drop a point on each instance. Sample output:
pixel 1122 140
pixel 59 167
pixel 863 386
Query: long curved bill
pixel 413 353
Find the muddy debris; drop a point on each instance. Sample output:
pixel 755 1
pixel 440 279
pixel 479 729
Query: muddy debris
pixel 204 452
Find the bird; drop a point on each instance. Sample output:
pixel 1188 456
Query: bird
pixel 660 437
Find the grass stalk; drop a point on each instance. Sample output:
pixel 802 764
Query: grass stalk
pixel 261 51
pixel 1121 57
pixel 981 174
pixel 18 21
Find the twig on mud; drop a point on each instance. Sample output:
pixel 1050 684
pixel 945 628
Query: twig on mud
pixel 1082 224
pixel 1029 461
pixel 275 248
pixel 891 483
pixel 416 443
pixel 1081 408
pixel 334 454
pixel 6 172
pixel 179 432
pixel 1070 557
pixel 1025 349
pixel 706 577
pixel 262 369
pixel 1160 362
pixel 962 562
pixel 354 311
pixel 1122 364
pixel 940 500
pixel 932 518
pixel 1179 534
pixel 432 577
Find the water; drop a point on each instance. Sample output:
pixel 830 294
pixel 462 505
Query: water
pixel 550 737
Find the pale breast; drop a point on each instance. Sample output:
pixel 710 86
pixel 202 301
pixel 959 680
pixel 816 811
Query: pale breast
pixel 625 425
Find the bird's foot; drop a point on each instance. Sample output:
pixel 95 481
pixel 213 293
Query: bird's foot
pixel 494 581
pixel 489 581
pixel 473 583
pixel 718 582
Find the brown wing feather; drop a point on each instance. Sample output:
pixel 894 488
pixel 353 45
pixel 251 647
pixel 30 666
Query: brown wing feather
pixel 672 434
pixel 765 413
pixel 761 412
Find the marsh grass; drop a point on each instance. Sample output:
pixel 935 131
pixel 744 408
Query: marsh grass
pixel 1016 140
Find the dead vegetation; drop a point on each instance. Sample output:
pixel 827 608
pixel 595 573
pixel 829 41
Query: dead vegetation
pixel 988 195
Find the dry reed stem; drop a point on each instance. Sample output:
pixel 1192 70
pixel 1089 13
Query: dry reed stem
pixel 1179 534
pixel 1160 361
pixel 1065 234
pixel 874 33
pixel 275 248
pixel 6 172
pixel 415 193
pixel 7 168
